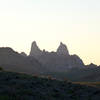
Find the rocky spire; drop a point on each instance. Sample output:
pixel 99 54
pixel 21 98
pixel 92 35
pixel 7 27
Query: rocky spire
pixel 62 49
pixel 35 51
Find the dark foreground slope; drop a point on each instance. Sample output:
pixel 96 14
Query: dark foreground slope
pixel 87 74
pixel 14 86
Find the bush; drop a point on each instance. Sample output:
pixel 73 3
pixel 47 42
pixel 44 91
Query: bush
pixel 1 68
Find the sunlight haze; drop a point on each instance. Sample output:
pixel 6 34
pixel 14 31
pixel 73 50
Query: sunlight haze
pixel 48 22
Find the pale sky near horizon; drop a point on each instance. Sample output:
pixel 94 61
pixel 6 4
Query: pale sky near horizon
pixel 74 22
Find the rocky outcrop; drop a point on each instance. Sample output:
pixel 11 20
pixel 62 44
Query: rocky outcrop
pixel 62 50
pixel 35 51
pixel 60 60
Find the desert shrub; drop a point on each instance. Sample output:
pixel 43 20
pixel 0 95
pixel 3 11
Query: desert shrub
pixel 1 68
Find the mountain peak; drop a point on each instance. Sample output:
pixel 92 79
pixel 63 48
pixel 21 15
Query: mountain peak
pixel 62 49
pixel 35 50
pixel 61 43
pixel 34 44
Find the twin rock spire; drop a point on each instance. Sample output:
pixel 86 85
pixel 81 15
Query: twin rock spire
pixel 61 50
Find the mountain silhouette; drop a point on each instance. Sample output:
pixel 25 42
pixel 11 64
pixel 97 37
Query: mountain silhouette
pixel 59 64
pixel 62 50
pixel 13 61
pixel 35 51
pixel 60 60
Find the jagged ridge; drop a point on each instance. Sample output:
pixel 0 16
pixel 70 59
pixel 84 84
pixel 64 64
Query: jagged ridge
pixel 60 60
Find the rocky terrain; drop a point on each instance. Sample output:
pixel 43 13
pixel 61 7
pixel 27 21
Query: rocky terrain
pixel 59 64
pixel 53 75
pixel 13 61
pixel 14 86
pixel 58 61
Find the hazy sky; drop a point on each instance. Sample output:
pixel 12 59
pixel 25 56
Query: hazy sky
pixel 74 22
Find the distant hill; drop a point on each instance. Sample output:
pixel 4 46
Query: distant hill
pixel 13 61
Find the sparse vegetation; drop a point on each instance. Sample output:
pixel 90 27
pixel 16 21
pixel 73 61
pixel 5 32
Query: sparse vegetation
pixel 1 69
pixel 14 86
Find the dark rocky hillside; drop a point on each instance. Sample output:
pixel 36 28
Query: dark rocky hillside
pixel 78 74
pixel 14 86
